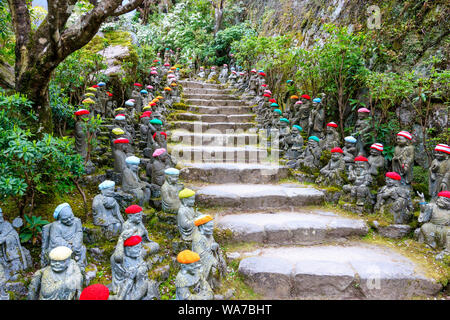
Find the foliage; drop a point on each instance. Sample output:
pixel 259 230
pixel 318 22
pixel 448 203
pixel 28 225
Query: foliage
pixel 62 111
pixel 7 45
pixel 91 126
pixel 32 229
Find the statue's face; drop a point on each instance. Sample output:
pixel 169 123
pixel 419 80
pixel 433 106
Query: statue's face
pixel 348 145
pixel 363 115
pixel 207 228
pixel 391 182
pixel 440 155
pixel 144 120
pixel 375 152
pixel 312 143
pixel 192 268
pixel 336 156
pixel 59 266
pixel 295 131
pixel 108 192
pixel 189 202
pixel 172 178
pixel 120 146
pixel 330 129
pixel 66 216
pixel 360 165
pixel 402 141
pixel 443 203
pixel 133 167
pixel 133 251
pixel 135 217
pixel 283 124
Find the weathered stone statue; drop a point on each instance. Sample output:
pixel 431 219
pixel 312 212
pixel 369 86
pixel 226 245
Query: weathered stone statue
pixel 304 110
pixel 136 95
pixel 135 226
pixel 403 159
pixel 144 99
pixel 284 131
pixel 61 280
pixel 332 137
pixel 80 134
pixel 3 278
pixel 316 118
pixel 131 183
pixel 360 180
pixel 439 171
pixel 13 257
pixel 201 75
pixel 159 139
pixel 376 160
pixel 143 127
pixel 214 266
pixel 332 173
pixel 212 74
pixel 119 154
pixel 232 78
pixel 169 191
pixel 362 128
pixel 294 143
pixel 350 152
pixel 155 170
pixel 310 157
pixel 435 231
pixel 106 210
pixel 66 231
pixel 253 83
pixel 190 283
pixel 395 199
pixel 187 214
pixel 223 76
pixel 130 272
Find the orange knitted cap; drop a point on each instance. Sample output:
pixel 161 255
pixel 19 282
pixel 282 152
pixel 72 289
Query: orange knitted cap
pixel 188 256
pixel 202 220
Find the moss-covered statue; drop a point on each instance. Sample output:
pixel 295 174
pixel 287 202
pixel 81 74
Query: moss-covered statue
pixel 435 231
pixel 294 143
pixel 136 95
pixel 395 199
pixel 350 152
pixel 332 174
pixel 66 231
pixel 61 280
pixel 130 272
pixel 360 180
pixel 13 257
pixel 190 283
pixel 439 171
pixel 187 214
pixel 403 159
pixel 377 161
pixel 155 170
pixel 80 134
pixel 283 131
pixel 169 191
pixel 3 294
pixel 134 226
pixel 362 128
pixel 253 83
pixel 310 158
pixel 316 117
pixel 214 266
pixel 106 210
pixel 132 184
pixel 332 138
pixel 212 74
pixel 201 75
pixel 223 76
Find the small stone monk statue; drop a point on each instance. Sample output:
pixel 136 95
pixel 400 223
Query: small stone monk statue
pixel 213 264
pixel 350 152
pixel 395 199
pixel 403 159
pixel 310 158
pixel 376 160
pixel 439 171
pixel 135 226
pixel 294 143
pixel 106 210
pixel 332 138
pixel 61 280
pixel 190 283
pixel 130 272
pixel 119 155
pixel 187 214
pixel 66 231
pixel 132 184
pixel 169 191
pixel 360 180
pixel 362 128
pixel 332 173
pixel 435 231
pixel 80 132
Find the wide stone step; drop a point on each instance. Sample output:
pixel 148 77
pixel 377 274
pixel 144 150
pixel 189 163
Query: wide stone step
pixel 218 154
pixel 355 271
pixel 221 127
pixel 215 117
pixel 215 139
pixel 199 84
pixel 209 96
pixel 258 196
pixel 215 102
pixel 233 110
pixel 189 91
pixel 287 228
pixel 233 172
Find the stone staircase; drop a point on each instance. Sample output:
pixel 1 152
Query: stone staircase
pixel 296 252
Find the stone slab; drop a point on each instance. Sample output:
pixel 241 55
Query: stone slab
pixel 283 228
pixel 356 271
pixel 230 110
pixel 221 127
pixel 214 139
pixel 215 117
pixel 218 154
pixel 258 196
pixel 215 102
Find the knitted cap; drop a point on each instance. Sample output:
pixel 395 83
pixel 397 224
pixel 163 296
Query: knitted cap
pixel 364 110
pixel 294 97
pixel 60 253
pixel 350 139
pixel 444 193
pixel 106 185
pixel 132 160
pixel 298 102
pixel 305 96
pixel 172 171
pixel 284 120
pixel 332 124
pixel 117 131
pixel 187 256
pixel 277 111
pixel 81 112
pixel 132 241
pixel 137 84
pixel 361 158
pixel 377 146
pixel 159 152
pixel 317 100
pixel 298 127
pixel 122 140
pixel 186 193
pixel 88 101
pixel 393 175
pixel 443 148
pixel 337 149
pixel 156 121
pixel 314 138
pixel 95 292
pixel 405 134
pixel 202 219
pixel 134 208
pixel 59 208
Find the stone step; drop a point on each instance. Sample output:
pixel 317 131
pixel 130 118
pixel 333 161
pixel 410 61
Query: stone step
pixel 209 96
pixel 215 102
pixel 215 117
pixel 221 110
pixel 221 127
pixel 218 154
pixel 287 228
pixel 355 271
pixel 233 172
pixel 199 84
pixel 258 196
pixel 188 91
pixel 215 139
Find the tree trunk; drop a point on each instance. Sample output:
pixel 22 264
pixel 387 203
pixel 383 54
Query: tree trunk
pixel 219 17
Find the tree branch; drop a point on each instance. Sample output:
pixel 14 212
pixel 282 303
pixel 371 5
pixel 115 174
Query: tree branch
pixel 130 6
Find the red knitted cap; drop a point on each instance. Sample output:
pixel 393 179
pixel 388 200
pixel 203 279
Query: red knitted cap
pixel 134 208
pixel 393 175
pixel 95 292
pixel 337 149
pixel 361 158
pixel 132 241
pixel 444 193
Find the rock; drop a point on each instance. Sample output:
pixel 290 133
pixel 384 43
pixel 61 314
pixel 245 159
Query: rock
pixel 18 289
pixel 162 273
pixel 229 294
pixel 219 297
pixel 394 231
pixel 91 273
pixel 112 55
pixel 233 256
pixel 97 253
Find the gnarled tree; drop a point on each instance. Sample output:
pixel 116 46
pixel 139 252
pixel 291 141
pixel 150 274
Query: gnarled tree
pixel 39 52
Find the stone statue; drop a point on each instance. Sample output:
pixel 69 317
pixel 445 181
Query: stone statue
pixel 136 95
pixel 316 118
pixel 223 76
pixel 169 191
pixel 332 173
pixel 435 231
pixel 403 159
pixel 135 226
pixel 439 171
pixel 350 152
pixel 360 180
pixel 61 280
pixel 119 154
pixel 332 137
pixel 80 135
pixel 253 83
pixel 13 257
pixel 155 170
pixel 376 160
pixel 201 75
pixel 213 264
pixel 106 210
pixel 3 278
pixel 65 231
pixel 190 283
pixel 232 78
pixel 131 183
pixel 395 199
pixel 310 157
pixel 187 214
pixel 362 128
pixel 130 272
pixel 212 74
pixel 294 143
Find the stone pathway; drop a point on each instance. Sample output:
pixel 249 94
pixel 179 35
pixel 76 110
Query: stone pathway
pixel 298 252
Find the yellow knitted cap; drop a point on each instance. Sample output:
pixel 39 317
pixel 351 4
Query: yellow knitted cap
pixel 60 253
pixel 202 219
pixel 146 108
pixel 88 101
pixel 117 131
pixel 188 256
pixel 186 193
pixel 91 89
